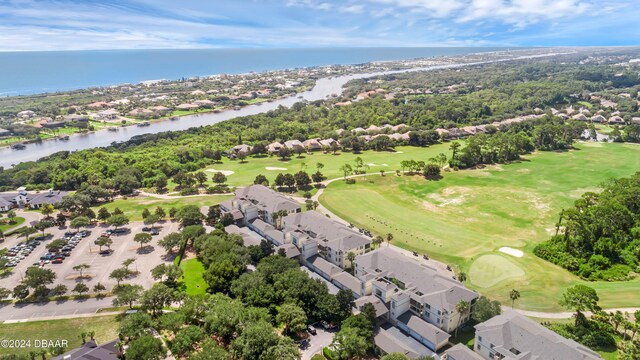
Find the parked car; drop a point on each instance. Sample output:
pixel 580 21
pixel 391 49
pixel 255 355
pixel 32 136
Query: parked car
pixel 147 228
pixel 105 252
pixel 57 260
pixel 312 330
pixel 155 232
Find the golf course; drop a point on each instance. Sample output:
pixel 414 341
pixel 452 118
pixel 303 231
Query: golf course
pixel 469 216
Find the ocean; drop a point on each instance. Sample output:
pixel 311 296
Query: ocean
pixel 26 73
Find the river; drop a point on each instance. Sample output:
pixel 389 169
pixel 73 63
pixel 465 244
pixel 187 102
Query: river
pixel 324 88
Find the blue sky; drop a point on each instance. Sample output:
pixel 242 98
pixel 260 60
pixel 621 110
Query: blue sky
pixel 156 24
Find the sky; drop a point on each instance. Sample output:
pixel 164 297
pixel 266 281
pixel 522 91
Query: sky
pixel 45 25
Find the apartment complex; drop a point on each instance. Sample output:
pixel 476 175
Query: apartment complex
pixel 511 336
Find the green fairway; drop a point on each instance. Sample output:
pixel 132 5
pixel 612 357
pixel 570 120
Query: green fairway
pixel 105 327
pixel 470 214
pixel 134 206
pixel 193 281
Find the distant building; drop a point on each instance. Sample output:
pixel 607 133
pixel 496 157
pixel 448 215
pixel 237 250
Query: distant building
pixel 21 198
pixel 91 351
pixel 110 114
pixel 259 202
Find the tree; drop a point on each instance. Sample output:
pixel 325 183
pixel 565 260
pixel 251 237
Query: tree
pixel 11 215
pixel 79 222
pixel 59 290
pixel 142 238
pixel 514 295
pixel 127 295
pixel 293 318
pixel 119 274
pixel 222 272
pixel 103 214
pixel 462 307
pixel 432 171
pixel 151 219
pixel 254 341
pixel 351 257
pixel 126 263
pixel 201 177
pixel 81 288
pixel 302 180
pixel 171 241
pixel 99 288
pixel 189 215
pixel 171 271
pixel 156 298
pixel 160 212
pixel 47 210
pixel 4 293
pixel 213 214
pixel 350 344
pixel 161 184
pixel 43 225
pixel 454 147
pixel 462 276
pixel 261 180
pixel 389 238
pixel 284 153
pixel 377 241
pixel 81 268
pixel 38 277
pixel 346 170
pixel 61 219
pixel 104 241
pixel 580 298
pixel 135 326
pixel 485 309
pixel 145 348
pixel 117 220
pixel 185 339
pixel 219 178
pixel 145 213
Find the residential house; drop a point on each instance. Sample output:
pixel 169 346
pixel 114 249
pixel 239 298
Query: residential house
pixel 110 114
pixel 511 336
pixel 161 110
pixel 314 233
pixel 312 144
pixel 294 145
pixel 329 143
pixel 389 339
pixel 460 352
pixel 259 202
pixel 204 103
pixel 580 117
pixel 598 119
pixel 5 204
pixel 98 105
pixel 409 286
pixel 91 351
pixel 616 120
pixel 26 114
pixel 76 118
pixel 274 147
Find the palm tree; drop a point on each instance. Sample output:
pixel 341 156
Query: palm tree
pixel 462 307
pixel 389 238
pixel 351 256
pixel 514 295
pixel 377 241
pixel 455 146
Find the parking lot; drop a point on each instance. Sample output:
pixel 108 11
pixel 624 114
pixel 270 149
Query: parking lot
pixel 86 252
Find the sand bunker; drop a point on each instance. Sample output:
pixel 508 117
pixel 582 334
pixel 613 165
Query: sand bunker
pixel 224 172
pixel 510 251
pixel 271 168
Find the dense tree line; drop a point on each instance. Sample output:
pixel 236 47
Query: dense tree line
pixel 545 133
pixel 601 233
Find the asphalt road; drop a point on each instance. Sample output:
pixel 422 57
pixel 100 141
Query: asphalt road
pixel 52 310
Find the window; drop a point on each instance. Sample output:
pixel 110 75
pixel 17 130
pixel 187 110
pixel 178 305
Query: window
pixel 427 314
pixel 428 306
pixel 478 347
pixel 479 338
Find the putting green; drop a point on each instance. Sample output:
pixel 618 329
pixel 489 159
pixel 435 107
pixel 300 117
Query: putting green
pixel 489 270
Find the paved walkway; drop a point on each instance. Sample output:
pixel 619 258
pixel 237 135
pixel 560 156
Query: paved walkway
pixel 565 315
pixel 12 313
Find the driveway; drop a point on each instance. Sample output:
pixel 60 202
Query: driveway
pixel 317 342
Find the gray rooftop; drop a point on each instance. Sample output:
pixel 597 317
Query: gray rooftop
pixel 381 308
pixel 423 282
pixel 266 199
pixel 348 281
pixel 325 231
pixel 391 339
pixel 290 250
pixel 461 352
pixel 323 265
pixel 518 337
pixel 427 331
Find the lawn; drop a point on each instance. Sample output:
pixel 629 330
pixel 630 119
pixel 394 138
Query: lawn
pixel 244 173
pixel 467 216
pixel 18 221
pixel 193 280
pixel 105 327
pixel 134 206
